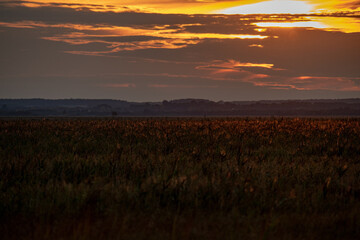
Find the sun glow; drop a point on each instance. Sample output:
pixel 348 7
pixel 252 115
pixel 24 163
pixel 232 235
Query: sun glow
pixel 346 25
pixel 272 7
pixel 291 24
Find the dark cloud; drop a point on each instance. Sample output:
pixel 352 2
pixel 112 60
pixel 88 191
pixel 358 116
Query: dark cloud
pixel 52 14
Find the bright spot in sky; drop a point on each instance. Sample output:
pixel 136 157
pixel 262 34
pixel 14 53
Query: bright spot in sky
pixel 271 7
pixel 346 25
pixel 291 24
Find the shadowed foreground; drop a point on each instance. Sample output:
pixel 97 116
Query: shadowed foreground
pixel 180 179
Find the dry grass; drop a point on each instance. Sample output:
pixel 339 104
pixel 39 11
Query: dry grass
pixel 180 178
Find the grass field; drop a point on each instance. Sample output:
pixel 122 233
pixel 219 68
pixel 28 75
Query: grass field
pixel 238 178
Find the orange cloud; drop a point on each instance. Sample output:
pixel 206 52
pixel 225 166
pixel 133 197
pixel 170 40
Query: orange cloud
pixel 232 66
pixel 165 36
pixel 306 83
pixel 326 83
pixel 256 45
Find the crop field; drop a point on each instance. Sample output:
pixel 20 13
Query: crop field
pixel 169 178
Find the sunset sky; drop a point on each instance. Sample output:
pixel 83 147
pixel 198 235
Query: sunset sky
pixel 153 50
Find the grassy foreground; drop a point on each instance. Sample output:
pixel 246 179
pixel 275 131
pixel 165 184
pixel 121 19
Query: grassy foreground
pixel 180 179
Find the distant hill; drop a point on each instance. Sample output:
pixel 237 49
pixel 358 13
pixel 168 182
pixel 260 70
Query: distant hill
pixel 180 107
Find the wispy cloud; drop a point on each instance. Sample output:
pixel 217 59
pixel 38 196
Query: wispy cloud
pixel 306 83
pixel 118 85
pixel 234 65
pixel 180 86
pixel 326 83
pixel 256 45
pixel 157 36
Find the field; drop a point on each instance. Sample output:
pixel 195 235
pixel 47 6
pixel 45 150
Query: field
pixel 157 178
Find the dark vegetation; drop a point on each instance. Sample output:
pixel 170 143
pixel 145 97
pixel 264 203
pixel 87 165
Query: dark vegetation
pixel 181 107
pixel 239 178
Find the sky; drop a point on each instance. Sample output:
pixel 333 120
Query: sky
pixel 154 50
